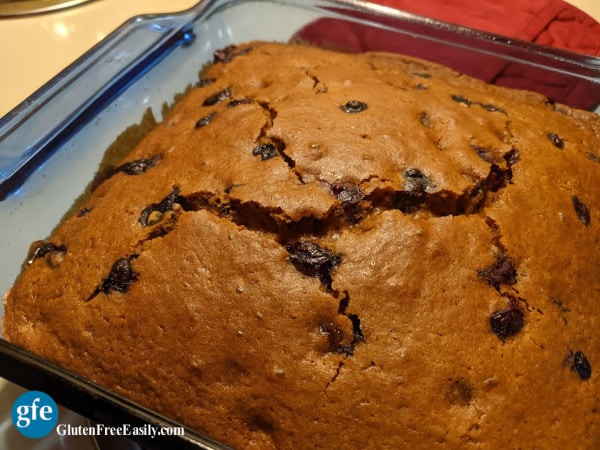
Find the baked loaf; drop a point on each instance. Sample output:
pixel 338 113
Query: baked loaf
pixel 325 250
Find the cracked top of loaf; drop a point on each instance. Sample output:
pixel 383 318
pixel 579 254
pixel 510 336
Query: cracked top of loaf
pixel 317 249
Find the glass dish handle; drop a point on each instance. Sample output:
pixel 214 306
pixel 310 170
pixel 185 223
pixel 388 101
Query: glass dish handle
pixel 68 101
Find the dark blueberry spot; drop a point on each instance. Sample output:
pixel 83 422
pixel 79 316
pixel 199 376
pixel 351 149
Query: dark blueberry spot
pixel 502 271
pixel 84 211
pixel 206 120
pixel 205 82
pixel 506 323
pixel 483 152
pixel 138 166
pixel 581 365
pixel 417 181
pixel 153 214
pixel 347 192
pixel 512 157
pixel 226 54
pixel 581 209
pixel 497 178
pixel 217 97
pixel 459 392
pixel 462 100
pixel 266 151
pixel 425 119
pixel 491 108
pixel 593 157
pixel 313 260
pixel 354 106
pixel 121 275
pixel 241 101
pixel 40 249
pixel 413 174
pixel 556 140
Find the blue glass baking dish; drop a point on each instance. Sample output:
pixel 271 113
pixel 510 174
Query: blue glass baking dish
pixel 51 144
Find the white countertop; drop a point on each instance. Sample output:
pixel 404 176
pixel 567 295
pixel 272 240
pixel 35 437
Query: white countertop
pixel 35 48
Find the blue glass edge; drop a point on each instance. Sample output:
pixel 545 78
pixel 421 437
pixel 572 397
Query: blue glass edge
pixel 91 83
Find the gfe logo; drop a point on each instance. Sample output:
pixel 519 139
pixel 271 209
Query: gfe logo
pixel 34 414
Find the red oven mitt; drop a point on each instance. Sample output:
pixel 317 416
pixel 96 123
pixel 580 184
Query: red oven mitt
pixel 547 22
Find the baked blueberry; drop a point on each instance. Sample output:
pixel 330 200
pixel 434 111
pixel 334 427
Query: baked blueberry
pixel 265 151
pixel 462 100
pixel 137 166
pixel 239 101
pixel 205 82
pixel 483 152
pixel 217 97
pixel 425 119
pixel 502 271
pixel 507 322
pixel 154 213
pixel 313 260
pixel 354 106
pixel 119 278
pixel 85 211
pixel 491 108
pixel 581 209
pixel 347 192
pixel 512 157
pixel 40 249
pixel 226 54
pixel 556 140
pixel 205 120
pixel 417 181
pixel 581 365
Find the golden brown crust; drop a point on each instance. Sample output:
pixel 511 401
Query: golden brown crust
pixel 361 251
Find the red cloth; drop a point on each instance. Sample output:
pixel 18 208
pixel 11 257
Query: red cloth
pixel 546 22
